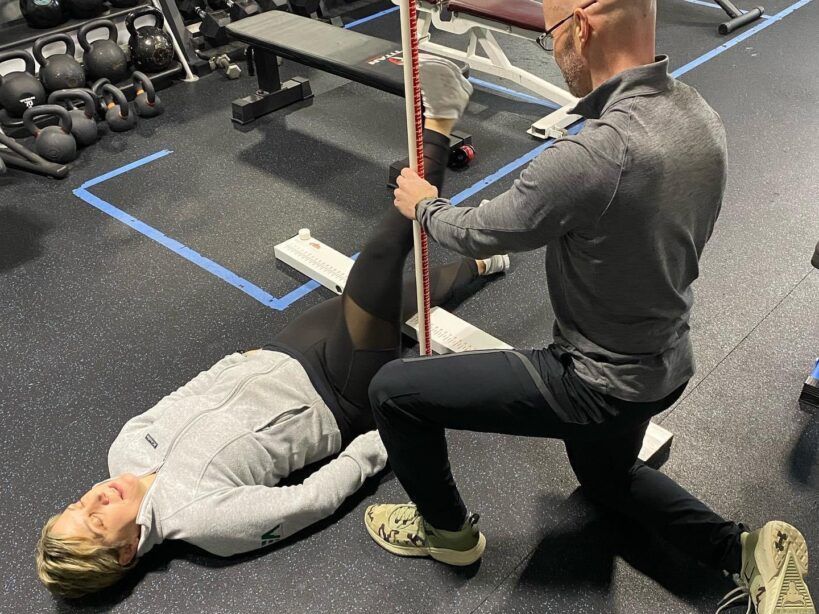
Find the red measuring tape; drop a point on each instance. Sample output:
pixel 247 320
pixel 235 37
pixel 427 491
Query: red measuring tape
pixel 415 142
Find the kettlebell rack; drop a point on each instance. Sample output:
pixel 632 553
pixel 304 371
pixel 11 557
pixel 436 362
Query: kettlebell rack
pixel 20 36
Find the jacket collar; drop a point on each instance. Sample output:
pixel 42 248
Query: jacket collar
pixel 645 80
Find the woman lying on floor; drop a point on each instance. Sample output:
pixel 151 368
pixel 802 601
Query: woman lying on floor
pixel 202 465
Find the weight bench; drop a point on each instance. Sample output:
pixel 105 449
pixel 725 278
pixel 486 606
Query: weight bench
pixel 448 332
pixel 481 19
pixel 375 62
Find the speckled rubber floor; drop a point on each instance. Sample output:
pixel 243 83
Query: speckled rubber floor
pixel 98 321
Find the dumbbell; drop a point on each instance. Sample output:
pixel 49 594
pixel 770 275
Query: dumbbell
pixel 237 9
pixel 213 27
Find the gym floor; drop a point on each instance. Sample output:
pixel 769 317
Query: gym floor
pixel 100 320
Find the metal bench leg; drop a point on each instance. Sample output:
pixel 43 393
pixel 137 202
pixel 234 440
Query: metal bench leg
pixel 272 93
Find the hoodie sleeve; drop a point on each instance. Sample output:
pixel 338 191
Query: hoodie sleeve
pixel 245 518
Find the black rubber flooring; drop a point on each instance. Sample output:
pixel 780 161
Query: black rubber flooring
pixel 99 321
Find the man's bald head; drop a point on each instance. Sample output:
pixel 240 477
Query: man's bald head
pixel 601 38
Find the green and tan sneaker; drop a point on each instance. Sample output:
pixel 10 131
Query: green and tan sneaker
pixel 400 529
pixel 772 579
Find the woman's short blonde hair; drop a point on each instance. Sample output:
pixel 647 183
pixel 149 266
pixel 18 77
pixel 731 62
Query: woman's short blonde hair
pixel 73 567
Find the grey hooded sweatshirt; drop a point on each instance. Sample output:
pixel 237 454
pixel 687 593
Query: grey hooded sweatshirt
pixel 221 443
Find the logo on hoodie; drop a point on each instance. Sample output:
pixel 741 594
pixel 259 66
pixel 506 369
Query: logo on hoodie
pixel 272 536
pixel 151 440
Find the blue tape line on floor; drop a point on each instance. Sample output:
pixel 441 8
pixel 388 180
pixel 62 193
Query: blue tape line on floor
pixel 126 168
pixel 738 39
pixel 378 15
pixel 520 95
pixel 283 303
pixel 180 249
pixel 509 168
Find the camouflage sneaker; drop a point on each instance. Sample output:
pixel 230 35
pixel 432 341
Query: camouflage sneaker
pixel 400 529
pixel 772 580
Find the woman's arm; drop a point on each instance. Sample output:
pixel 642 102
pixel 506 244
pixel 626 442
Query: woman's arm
pixel 240 519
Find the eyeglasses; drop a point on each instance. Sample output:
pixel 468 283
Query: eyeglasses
pixel 547 39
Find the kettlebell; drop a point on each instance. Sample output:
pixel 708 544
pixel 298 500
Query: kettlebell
pixel 151 47
pixel 147 103
pixel 83 9
pixel 44 13
pixel 103 58
pixel 119 116
pixel 54 143
pixel 20 90
pixel 59 71
pixel 83 121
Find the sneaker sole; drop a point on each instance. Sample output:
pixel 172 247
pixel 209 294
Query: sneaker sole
pixel 785 546
pixel 444 555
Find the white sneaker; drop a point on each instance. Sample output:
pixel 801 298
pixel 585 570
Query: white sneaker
pixel 772 579
pixel 444 90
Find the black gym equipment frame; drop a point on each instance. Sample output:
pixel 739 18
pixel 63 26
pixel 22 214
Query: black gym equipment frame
pixel 738 17
pixel 372 61
pixel 364 59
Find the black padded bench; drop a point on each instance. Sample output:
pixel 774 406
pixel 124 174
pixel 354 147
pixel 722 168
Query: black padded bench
pixel 365 59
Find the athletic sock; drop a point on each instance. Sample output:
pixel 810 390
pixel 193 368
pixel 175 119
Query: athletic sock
pixel 496 264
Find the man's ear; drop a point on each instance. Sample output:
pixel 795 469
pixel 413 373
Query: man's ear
pixel 127 552
pixel 581 27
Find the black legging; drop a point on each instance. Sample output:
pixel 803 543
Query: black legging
pixel 347 339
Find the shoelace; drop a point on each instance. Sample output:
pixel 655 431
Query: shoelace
pixel 405 514
pixel 736 597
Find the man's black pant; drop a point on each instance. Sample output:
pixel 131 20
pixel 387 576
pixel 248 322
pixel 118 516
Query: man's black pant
pixel 536 393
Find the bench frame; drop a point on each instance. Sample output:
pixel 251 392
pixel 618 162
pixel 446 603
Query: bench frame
pixel 484 54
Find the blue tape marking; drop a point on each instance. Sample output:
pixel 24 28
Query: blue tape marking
pixel 125 169
pixel 738 39
pixel 378 15
pixel 520 95
pixel 286 301
pixel 509 168
pixel 178 248
pixel 815 374
pixel 195 257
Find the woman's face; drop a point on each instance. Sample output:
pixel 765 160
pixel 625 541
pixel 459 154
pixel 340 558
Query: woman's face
pixel 106 514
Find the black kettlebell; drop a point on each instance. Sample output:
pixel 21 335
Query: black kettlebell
pixel 151 47
pixel 58 71
pixel 146 102
pixel 83 121
pixel 20 90
pixel 44 13
pixel 103 58
pixel 54 143
pixel 118 112
pixel 83 9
